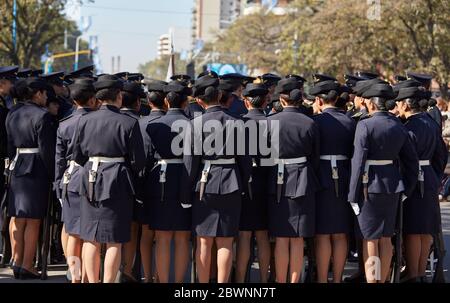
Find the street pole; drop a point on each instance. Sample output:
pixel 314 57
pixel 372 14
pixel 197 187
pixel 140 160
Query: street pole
pixel 14 25
pixel 77 52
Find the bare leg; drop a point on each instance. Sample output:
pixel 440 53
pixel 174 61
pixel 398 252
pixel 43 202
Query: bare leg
pixel 182 254
pixel 224 259
pixel 64 240
pixel 31 237
pixel 371 254
pixel 112 262
pixel 426 240
pixel 74 257
pixel 296 259
pixel 323 256
pixel 129 251
pixel 91 261
pixel 203 256
pixel 147 251
pixel 386 252
pixel 340 251
pixel 11 239
pixel 163 240
pixel 281 259
pixel 243 255
pixel 17 230
pixel 413 251
pixel 262 239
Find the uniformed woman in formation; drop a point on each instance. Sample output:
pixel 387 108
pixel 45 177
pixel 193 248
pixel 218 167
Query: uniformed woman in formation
pixel 156 98
pixel 293 181
pixel 169 217
pixel 385 168
pixel 254 205
pixel 109 146
pixel 217 174
pixel 421 210
pixel 131 105
pixel 31 148
pixel 333 213
pixel 67 172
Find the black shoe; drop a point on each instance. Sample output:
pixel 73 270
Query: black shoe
pixel 355 278
pixel 423 279
pixel 16 271
pixel 28 275
pixel 124 278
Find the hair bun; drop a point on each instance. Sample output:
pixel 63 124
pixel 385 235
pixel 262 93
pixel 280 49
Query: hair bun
pixel 210 92
pixel 296 95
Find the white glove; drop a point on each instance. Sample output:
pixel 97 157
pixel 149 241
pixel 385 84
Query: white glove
pixel 355 208
pixel 61 202
pixel 404 197
pixel 185 206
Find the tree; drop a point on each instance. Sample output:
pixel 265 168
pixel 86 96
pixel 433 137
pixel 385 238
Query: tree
pixel 157 68
pixel 339 36
pixel 40 25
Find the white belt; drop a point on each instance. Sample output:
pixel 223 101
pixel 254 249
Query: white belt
pixel 424 163
pixel 370 163
pixel 69 171
pixel 282 162
pixel 208 163
pixel 333 159
pixel 97 160
pixel 163 163
pixel 20 151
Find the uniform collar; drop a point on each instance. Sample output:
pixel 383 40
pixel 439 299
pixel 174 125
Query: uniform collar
pixel 110 107
pixel 291 109
pixel 256 111
pixel 214 108
pixel 380 113
pixel 82 110
pixel 175 111
pixel 126 109
pixel 331 109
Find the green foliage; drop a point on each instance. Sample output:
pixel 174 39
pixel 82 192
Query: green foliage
pixel 157 69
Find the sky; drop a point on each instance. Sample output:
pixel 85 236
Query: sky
pixel 131 28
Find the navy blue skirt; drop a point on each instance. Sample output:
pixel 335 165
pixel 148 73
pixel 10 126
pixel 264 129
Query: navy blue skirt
pixel 169 216
pixel 254 213
pixel 333 215
pixel 108 221
pixel 378 216
pixel 292 218
pixel 71 213
pixel 217 215
pixel 421 215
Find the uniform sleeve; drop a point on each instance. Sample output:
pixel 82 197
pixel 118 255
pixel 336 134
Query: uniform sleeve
pixel 191 165
pixel 46 133
pixel 136 150
pixel 360 152
pixel 315 157
pixel 440 157
pixel 60 161
pixel 409 162
pixel 78 155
